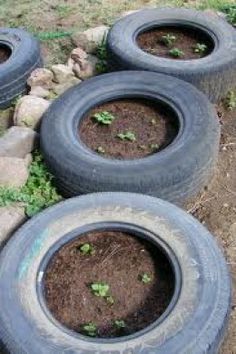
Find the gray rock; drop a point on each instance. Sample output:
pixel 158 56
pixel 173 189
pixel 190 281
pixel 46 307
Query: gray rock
pixel 86 68
pixel 18 142
pixel 39 91
pixel 41 77
pixel 62 73
pixel 14 171
pixel 11 217
pixel 61 88
pixel 6 119
pixel 90 39
pixel 29 111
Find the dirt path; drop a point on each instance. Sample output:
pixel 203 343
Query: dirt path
pixel 216 209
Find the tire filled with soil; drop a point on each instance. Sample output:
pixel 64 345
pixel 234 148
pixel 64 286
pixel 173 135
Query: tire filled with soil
pixel 113 272
pixel 138 274
pixel 131 131
pixel 139 128
pixel 176 43
pixel 197 47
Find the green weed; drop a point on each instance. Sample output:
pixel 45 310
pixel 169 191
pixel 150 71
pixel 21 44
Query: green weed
pixel 145 278
pixel 200 48
pixel 230 101
pixel 105 118
pixel 119 324
pixel 90 329
pixel 130 136
pixel 38 193
pixel 168 39
pixel 176 53
pixel 86 248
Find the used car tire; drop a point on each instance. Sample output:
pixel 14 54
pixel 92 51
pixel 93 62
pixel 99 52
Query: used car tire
pixel 196 318
pixel 24 58
pixel 176 173
pixel 214 74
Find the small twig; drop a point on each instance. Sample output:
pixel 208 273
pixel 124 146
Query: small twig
pixel 199 203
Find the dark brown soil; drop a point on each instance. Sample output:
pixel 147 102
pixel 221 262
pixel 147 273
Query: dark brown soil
pixel 5 53
pixel 154 125
pixel 186 40
pixel 119 260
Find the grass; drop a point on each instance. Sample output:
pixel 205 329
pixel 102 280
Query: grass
pixel 38 193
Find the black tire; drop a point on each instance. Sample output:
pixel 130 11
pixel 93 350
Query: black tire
pixel 196 318
pixel 176 173
pixel 214 74
pixel 24 58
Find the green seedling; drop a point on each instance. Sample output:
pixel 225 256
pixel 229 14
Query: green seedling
pixel 230 101
pixel 154 147
pixel 102 55
pixel 86 248
pixel 168 40
pixel 127 136
pixel 100 289
pixel 100 150
pixel 145 278
pixel 120 324
pixel 105 118
pixel 176 53
pixel 200 48
pixel 90 329
pixel 110 300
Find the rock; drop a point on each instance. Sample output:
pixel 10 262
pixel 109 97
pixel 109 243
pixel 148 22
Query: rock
pixel 61 88
pixel 90 39
pixel 87 68
pixel 29 111
pixel 11 217
pixel 18 142
pixel 78 54
pixel 14 171
pixel 6 116
pixel 41 77
pixel 62 73
pixel 39 91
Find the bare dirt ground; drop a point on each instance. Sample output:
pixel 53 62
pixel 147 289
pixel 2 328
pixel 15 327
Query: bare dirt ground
pixel 216 207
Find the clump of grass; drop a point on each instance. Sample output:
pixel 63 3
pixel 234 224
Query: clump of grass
pixel 38 193
pixel 130 136
pixel 176 53
pixel 102 55
pixel 105 118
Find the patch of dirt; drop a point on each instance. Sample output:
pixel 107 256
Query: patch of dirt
pixel 5 53
pixel 154 127
pixel 185 39
pixel 119 259
pixel 216 209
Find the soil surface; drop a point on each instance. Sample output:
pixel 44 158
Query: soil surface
pixel 153 125
pixel 216 209
pixel 5 53
pixel 186 40
pixel 119 260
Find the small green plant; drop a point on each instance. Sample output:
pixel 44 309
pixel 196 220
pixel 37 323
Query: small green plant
pixel 120 324
pixel 154 147
pixel 100 289
pixel 101 150
pixel 230 10
pixel 230 101
pixel 110 300
pixel 86 248
pixel 200 48
pixel 38 193
pixel 168 40
pixel 101 53
pixel 145 278
pixel 90 329
pixel 130 136
pixel 105 118
pixel 176 53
